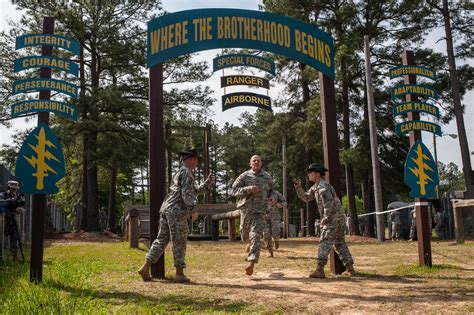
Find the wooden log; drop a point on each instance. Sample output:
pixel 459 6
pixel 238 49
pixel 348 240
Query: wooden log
pixel 226 216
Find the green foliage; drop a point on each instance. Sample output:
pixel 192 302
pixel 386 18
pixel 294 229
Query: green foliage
pixel 359 204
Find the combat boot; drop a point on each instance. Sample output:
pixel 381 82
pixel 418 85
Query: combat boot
pixel 144 271
pixel 318 273
pixel 350 271
pixel 249 268
pixel 276 243
pixel 180 277
pixel 270 253
pixel 247 248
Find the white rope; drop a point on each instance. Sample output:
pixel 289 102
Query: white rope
pixel 387 211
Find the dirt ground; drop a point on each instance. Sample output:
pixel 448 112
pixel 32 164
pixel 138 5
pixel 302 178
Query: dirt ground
pixel 389 279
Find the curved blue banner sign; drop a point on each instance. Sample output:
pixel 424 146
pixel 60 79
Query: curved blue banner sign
pixel 67 110
pixel 421 172
pixel 60 41
pixel 412 70
pixel 37 84
pixel 421 125
pixel 246 99
pixel 46 62
pixel 243 60
pixel 185 32
pixel 422 90
pixel 420 107
pixel 40 162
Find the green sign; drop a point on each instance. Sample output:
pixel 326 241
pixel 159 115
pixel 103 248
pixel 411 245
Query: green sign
pixel 244 60
pixel 420 125
pixel 36 84
pixel 185 32
pixel 46 62
pixel 67 110
pixel 249 80
pixel 421 172
pixel 246 99
pixel 408 107
pixel 412 70
pixel 40 162
pixel 424 90
pixel 63 42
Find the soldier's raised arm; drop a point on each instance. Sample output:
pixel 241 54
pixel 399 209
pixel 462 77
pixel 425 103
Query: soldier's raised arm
pixel 306 196
pixel 206 186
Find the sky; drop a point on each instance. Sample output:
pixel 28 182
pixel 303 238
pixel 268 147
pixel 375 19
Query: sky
pixel 447 147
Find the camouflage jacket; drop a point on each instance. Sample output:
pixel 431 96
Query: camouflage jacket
pixel 273 212
pixel 328 203
pixel 182 195
pixel 253 202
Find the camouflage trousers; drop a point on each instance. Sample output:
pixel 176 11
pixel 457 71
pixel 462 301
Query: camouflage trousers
pixel 333 236
pixel 174 228
pixel 251 230
pixel 413 229
pixel 271 231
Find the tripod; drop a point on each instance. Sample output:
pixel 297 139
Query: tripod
pixel 12 227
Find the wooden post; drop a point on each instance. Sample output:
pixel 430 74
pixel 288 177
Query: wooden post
pixel 286 219
pixel 458 224
pixel 422 206
pixel 134 233
pixel 157 159
pixel 215 229
pixel 40 200
pixel 232 230
pixel 331 149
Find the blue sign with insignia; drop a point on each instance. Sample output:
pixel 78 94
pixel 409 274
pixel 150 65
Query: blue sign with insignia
pixel 63 42
pixel 175 34
pixel 46 62
pixel 243 60
pixel 40 162
pixel 421 172
pixel 36 84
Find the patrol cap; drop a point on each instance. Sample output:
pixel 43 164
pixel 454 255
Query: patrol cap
pixel 318 168
pixel 13 184
pixel 189 152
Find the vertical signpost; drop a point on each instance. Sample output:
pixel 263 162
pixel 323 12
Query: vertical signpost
pixel 40 162
pixel 421 172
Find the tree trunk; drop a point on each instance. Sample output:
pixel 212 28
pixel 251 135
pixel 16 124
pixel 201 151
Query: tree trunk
pixel 85 141
pixel 112 200
pixel 347 145
pixel 93 223
pixel 368 207
pixel 458 111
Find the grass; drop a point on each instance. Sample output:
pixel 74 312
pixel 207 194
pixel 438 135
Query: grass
pixel 100 278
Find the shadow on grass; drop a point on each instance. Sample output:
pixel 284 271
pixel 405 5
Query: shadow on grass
pixel 172 302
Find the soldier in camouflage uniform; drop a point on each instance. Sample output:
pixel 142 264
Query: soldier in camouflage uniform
pixel 413 225
pixel 333 221
pixel 254 189
pixel 177 207
pixel 271 233
pixel 395 218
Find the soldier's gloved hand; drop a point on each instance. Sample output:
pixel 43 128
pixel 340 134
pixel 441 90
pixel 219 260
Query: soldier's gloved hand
pixel 194 215
pixel 211 179
pixel 272 200
pixel 297 183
